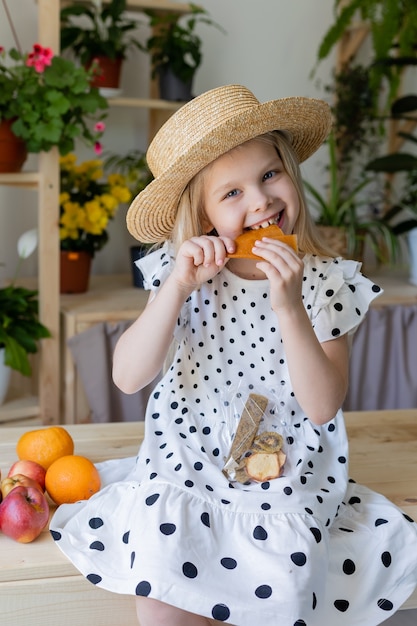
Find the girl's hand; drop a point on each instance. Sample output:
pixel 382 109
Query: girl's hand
pixel 199 259
pixel 284 269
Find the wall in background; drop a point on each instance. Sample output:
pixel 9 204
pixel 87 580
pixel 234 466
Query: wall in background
pixel 270 47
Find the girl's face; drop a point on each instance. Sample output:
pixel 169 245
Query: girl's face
pixel 248 188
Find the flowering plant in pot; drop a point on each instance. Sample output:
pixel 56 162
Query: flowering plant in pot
pixel 95 31
pixel 88 201
pixel 49 101
pixel 20 327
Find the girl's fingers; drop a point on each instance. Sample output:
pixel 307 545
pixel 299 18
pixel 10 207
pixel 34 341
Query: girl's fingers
pixel 278 254
pixel 205 250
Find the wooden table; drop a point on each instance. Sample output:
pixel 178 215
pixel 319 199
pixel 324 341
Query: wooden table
pixel 40 587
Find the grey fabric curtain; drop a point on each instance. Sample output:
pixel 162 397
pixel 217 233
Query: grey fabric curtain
pixel 92 352
pixel 383 365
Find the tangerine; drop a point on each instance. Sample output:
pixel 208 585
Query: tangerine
pixel 45 445
pixel 72 478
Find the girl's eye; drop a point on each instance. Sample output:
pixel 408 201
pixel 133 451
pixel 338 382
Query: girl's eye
pixel 232 193
pixel 268 175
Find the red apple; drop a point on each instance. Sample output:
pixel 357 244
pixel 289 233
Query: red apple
pixel 31 469
pixel 24 513
pixel 19 480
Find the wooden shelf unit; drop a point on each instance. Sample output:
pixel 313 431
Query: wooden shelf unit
pixel 45 406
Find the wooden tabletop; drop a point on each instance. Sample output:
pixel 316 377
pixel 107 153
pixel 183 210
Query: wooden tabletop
pixel 383 449
pixel 383 456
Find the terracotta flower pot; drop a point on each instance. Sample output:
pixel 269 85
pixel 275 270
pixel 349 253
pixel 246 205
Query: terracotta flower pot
pixel 74 271
pixel 13 152
pixel 109 74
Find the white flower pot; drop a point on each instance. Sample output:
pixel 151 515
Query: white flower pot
pixel 412 248
pixel 5 372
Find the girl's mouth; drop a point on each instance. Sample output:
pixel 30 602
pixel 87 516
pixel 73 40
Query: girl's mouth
pixel 272 220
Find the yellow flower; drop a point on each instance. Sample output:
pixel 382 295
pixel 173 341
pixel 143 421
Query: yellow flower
pixel 109 202
pixel 122 193
pixel 88 200
pixel 73 216
pixel 64 197
pixel 67 161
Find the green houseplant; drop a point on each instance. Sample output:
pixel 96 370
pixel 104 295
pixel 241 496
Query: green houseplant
pixel 49 101
pixel 393 30
pixel 175 49
pixel 340 218
pixel 97 32
pixel 400 215
pixel 359 128
pixel 20 328
pixel 132 166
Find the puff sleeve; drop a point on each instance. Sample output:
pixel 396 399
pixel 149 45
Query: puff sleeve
pixel 156 267
pixel 336 296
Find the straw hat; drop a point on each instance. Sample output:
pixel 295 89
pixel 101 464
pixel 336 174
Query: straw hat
pixel 206 128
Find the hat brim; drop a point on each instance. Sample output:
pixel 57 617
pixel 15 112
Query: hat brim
pixel 151 216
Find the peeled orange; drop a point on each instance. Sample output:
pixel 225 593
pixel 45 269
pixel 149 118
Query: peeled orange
pixel 45 445
pixel 72 478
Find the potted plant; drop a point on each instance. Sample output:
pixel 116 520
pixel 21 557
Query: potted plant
pixel 47 101
pixel 105 39
pixel 401 216
pixel 132 166
pixel 340 217
pixel 20 327
pixel 175 50
pixel 88 201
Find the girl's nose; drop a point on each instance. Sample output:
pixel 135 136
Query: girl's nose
pixel 260 200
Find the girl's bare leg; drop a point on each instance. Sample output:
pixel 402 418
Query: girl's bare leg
pixel 155 613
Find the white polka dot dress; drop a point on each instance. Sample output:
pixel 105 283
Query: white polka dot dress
pixel 309 548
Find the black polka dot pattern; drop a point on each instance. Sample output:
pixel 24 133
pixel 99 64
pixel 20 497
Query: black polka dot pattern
pixel 181 531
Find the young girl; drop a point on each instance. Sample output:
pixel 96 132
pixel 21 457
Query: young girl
pixel 194 527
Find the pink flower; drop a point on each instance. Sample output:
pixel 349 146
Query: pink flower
pixel 98 148
pixel 39 58
pixel 99 127
pixel 95 67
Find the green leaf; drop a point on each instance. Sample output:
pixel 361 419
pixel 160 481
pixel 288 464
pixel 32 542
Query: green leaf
pixel 335 32
pixel 404 105
pixel 16 357
pixel 392 163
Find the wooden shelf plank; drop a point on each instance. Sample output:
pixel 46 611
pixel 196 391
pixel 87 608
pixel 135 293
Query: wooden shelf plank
pixel 19 408
pixel 141 5
pixel 21 179
pixel 145 103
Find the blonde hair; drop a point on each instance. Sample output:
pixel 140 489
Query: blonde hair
pixel 191 217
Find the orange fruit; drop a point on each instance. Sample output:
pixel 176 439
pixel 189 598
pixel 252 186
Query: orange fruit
pixel 45 445
pixel 71 478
